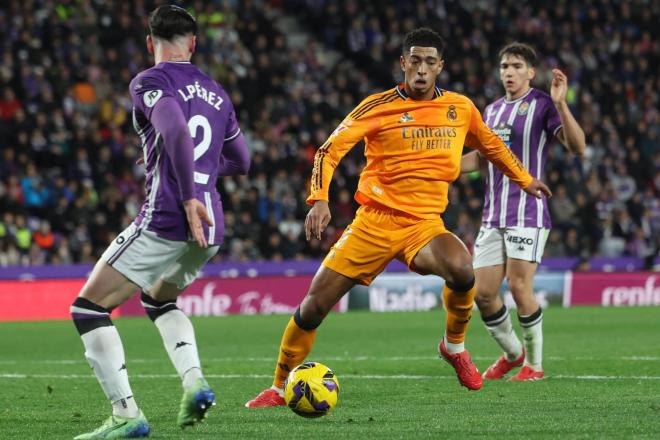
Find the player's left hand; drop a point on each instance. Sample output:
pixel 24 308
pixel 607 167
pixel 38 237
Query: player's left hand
pixel 536 188
pixel 196 213
pixel 559 86
pixel 317 220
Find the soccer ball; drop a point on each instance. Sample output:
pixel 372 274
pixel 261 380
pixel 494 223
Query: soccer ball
pixel 311 390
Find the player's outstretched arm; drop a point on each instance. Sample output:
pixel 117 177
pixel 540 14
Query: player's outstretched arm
pixel 317 219
pixel 571 134
pixel 235 157
pixel 168 119
pixel 470 162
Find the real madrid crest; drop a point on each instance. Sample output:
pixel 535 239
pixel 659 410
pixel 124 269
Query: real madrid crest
pixel 522 108
pixel 451 113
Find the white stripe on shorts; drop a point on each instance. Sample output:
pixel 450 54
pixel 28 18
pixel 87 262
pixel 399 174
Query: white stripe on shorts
pixel 124 245
pixel 209 209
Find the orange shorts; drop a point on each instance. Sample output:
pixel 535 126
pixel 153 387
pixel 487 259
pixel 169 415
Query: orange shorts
pixel 377 236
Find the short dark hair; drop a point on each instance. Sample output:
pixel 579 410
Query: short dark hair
pixel 522 50
pixel 423 37
pixel 169 21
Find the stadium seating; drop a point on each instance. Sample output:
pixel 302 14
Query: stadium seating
pixel 68 174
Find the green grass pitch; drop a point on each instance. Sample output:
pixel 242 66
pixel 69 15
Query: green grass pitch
pixel 602 367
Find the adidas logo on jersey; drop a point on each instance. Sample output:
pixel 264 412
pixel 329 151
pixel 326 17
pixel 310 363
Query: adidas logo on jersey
pixel 406 118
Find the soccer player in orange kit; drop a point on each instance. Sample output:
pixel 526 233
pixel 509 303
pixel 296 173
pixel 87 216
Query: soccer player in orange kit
pixel 414 135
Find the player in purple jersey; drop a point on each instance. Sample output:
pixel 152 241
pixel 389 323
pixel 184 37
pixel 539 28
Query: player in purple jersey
pixel 190 136
pixel 514 226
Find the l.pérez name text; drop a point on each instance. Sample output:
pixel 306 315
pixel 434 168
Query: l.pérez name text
pixel 195 90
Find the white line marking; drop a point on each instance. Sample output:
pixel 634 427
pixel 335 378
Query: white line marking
pixel 347 376
pixel 641 358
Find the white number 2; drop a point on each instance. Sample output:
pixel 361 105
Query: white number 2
pixel 194 123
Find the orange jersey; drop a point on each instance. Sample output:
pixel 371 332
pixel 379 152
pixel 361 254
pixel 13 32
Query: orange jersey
pixel 413 150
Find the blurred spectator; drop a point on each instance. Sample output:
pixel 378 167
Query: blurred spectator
pixel 290 227
pixel 612 244
pixel 572 245
pixel 623 184
pixel 63 252
pixel 562 208
pixel 9 255
pixel 9 104
pixel 44 237
pixel 22 235
pixel 554 246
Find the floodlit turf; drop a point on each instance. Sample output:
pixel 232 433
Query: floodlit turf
pixel 602 367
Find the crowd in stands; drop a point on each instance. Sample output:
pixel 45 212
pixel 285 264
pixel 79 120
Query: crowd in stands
pixel 69 177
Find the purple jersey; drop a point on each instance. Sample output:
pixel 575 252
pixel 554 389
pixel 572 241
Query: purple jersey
pixel 526 125
pixel 211 120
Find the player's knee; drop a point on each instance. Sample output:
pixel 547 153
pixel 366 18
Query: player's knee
pixel 461 274
pixel 88 316
pixel 483 300
pixel 154 308
pixel 318 309
pixel 518 287
pixel 309 322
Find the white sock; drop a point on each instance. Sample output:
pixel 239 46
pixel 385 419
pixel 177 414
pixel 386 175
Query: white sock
pixel 126 408
pixel 280 391
pixel 190 377
pixel 500 328
pixel 179 338
pixel 105 354
pixel 532 330
pixel 453 348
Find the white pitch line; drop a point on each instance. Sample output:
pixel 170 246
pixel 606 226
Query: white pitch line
pixel 336 358
pixel 641 358
pixel 594 377
pixel 347 376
